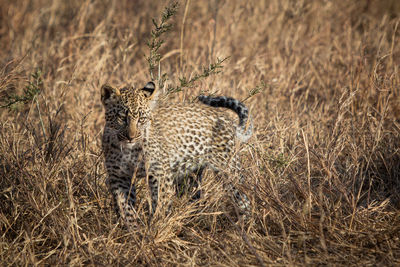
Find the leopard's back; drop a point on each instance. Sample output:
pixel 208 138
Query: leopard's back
pixel 192 135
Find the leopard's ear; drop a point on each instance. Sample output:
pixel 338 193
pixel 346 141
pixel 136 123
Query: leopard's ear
pixel 107 91
pixel 149 89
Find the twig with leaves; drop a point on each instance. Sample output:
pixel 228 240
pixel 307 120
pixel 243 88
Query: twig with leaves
pixel 212 69
pixel 154 58
pixel 30 92
pixel 156 42
pixel 256 90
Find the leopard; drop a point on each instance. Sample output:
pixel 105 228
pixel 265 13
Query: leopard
pixel 145 138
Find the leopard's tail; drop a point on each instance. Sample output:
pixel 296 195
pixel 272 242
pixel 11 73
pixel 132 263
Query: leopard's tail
pixel 245 127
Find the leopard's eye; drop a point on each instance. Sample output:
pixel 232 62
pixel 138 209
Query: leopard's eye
pixel 142 119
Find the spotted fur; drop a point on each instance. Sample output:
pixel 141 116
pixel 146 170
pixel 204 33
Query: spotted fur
pixel 167 142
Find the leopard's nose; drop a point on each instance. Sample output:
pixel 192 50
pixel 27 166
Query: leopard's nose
pixel 132 131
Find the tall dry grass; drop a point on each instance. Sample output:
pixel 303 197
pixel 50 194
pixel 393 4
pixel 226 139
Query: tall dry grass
pixel 322 168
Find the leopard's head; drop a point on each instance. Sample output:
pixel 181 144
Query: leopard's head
pixel 128 110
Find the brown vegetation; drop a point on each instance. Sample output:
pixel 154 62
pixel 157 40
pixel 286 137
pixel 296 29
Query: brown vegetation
pixel 323 166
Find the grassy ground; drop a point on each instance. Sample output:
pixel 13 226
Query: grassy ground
pixel 323 166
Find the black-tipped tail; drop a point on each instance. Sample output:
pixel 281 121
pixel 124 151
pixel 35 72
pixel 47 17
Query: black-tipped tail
pixel 245 127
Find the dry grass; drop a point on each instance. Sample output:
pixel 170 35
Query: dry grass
pixel 323 166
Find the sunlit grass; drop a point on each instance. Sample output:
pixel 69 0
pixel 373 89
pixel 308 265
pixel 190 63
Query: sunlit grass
pixel 321 79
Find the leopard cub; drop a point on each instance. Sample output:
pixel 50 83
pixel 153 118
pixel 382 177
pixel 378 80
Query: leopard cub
pixel 166 142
